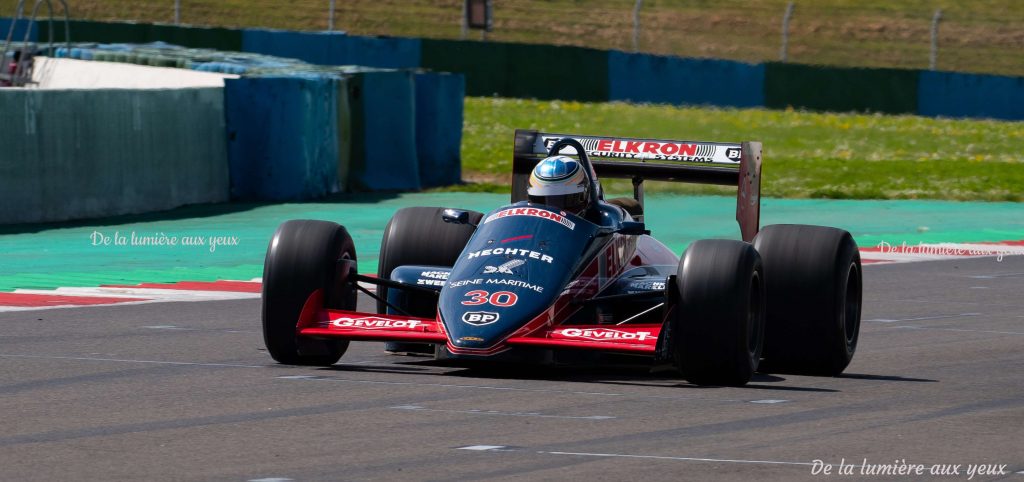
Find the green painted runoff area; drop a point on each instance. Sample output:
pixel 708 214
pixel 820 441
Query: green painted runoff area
pixel 74 254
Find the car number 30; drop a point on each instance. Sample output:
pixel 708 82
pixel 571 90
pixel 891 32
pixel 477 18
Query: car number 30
pixel 500 298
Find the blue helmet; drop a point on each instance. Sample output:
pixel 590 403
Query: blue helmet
pixel 559 182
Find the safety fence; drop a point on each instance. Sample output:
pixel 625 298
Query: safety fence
pixel 585 74
pixel 962 36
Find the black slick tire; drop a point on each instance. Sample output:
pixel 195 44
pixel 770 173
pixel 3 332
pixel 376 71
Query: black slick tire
pixel 813 277
pixel 418 236
pixel 719 313
pixel 302 258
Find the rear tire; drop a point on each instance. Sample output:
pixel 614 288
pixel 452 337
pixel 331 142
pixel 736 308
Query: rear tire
pixel 418 236
pixel 303 258
pixel 719 316
pixel 813 276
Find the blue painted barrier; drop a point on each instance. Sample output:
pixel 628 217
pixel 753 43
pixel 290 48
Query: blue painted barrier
pixel 951 94
pixel 334 48
pixel 283 141
pixel 19 30
pixel 220 67
pixel 439 102
pixel 675 80
pixel 387 52
pixel 383 132
pixel 312 47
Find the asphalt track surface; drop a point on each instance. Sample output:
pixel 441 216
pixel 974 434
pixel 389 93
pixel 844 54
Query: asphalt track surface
pixel 185 391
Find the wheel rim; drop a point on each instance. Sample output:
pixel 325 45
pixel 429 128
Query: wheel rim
pixel 341 279
pixel 851 308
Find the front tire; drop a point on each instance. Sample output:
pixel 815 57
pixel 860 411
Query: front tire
pixel 302 259
pixel 719 314
pixel 813 276
pixel 418 236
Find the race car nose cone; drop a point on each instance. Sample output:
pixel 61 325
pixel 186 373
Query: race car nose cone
pixel 510 272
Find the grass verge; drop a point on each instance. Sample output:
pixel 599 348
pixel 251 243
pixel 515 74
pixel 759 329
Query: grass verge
pixel 806 155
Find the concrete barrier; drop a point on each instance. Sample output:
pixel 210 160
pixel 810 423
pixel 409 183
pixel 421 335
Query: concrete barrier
pixel 383 151
pixel 557 72
pixel 123 151
pixel 138 33
pixel 439 103
pixel 285 138
pixel 19 30
pixel 196 37
pixel 522 70
pixel 334 48
pixel 673 80
pixel 952 94
pixel 386 52
pixel 51 73
pixel 840 89
pixel 313 47
pixel 483 63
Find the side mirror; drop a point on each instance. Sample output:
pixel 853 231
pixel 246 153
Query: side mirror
pixel 455 216
pixel 633 228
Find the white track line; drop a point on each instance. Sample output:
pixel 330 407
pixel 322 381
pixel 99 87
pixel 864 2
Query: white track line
pixel 996 248
pixel 482 447
pixel 939 251
pixel 685 459
pixel 923 318
pixel 506 448
pixel 504 414
pixel 148 295
pixel 959 330
pixel 160 294
pixel 511 389
pixel 185 328
pixel 4 309
pixel 125 360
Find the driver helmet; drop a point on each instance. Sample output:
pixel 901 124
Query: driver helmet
pixel 559 182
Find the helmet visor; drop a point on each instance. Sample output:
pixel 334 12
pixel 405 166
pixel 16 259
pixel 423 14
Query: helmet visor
pixel 573 203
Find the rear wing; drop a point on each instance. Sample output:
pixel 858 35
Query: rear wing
pixel 723 163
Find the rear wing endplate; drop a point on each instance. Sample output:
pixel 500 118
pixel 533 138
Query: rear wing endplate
pixel 722 163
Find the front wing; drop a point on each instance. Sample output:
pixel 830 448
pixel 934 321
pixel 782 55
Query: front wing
pixel 353 325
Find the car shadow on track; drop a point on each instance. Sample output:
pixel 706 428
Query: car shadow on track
pixel 637 376
pixel 886 378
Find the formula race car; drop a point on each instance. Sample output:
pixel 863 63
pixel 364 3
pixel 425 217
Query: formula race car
pixel 561 270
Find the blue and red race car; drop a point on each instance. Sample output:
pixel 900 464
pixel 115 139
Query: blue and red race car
pixel 529 281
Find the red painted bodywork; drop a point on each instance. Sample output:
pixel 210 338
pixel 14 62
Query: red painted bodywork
pixel 544 330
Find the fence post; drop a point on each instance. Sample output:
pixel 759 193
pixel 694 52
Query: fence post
pixel 330 16
pixel 488 8
pixel 177 12
pixel 933 57
pixel 636 25
pixel 465 26
pixel 785 31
